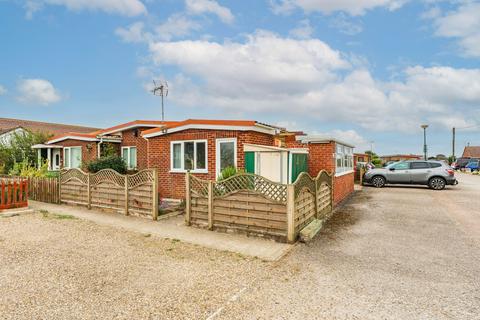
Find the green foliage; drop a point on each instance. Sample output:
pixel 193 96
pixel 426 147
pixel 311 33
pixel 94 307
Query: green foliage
pixel 20 150
pixel 108 149
pixel 227 173
pixel 26 169
pixel 375 158
pixel 111 162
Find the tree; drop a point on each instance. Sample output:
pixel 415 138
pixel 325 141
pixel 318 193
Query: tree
pixel 375 159
pixel 20 149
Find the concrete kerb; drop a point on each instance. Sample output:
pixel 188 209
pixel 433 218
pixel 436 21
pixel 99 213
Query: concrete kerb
pixel 174 228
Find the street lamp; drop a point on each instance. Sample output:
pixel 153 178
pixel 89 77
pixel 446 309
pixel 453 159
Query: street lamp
pixel 424 127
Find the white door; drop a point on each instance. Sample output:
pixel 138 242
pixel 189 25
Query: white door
pixel 270 165
pixel 56 159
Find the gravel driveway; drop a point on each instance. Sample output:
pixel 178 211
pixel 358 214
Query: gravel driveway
pixel 393 253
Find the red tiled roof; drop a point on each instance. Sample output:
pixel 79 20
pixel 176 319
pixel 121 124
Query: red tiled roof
pixel 136 123
pixel 239 123
pixel 6 124
pixel 471 152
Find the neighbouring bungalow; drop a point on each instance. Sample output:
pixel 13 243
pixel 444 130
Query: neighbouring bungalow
pixel 400 157
pixel 205 148
pixel 361 158
pixel 471 152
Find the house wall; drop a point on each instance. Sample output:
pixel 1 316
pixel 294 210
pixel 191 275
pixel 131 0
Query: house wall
pixel 343 186
pixel 89 149
pixel 172 184
pixel 130 140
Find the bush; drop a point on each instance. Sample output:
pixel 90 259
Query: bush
pixel 227 173
pixel 26 169
pixel 111 162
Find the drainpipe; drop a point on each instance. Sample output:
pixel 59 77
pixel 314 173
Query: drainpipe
pixel 99 149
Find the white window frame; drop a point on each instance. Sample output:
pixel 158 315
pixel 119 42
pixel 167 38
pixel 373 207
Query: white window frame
pixel 68 166
pixel 345 155
pixel 129 166
pixel 217 152
pixel 182 156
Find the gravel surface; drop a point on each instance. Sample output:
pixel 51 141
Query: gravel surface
pixel 392 253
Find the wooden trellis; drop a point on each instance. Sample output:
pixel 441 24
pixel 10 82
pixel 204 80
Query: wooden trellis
pixel 253 204
pixel 135 194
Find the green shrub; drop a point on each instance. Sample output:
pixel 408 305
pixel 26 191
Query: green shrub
pixel 227 173
pixel 111 162
pixel 26 169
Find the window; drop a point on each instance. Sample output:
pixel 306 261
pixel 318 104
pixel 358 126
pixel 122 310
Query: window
pixel 189 155
pixel 129 155
pixel 400 166
pixel 72 157
pixel 419 165
pixel 226 154
pixel 435 165
pixel 343 159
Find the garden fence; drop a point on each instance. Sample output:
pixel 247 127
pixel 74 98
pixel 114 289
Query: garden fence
pixel 13 193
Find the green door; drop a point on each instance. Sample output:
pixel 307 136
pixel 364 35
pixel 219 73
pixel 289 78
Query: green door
pixel 250 162
pixel 299 165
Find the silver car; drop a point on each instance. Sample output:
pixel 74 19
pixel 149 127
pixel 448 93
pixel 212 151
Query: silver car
pixel 435 174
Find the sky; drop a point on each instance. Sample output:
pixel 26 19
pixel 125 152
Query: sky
pixel 368 72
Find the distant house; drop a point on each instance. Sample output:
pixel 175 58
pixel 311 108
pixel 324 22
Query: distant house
pixel 471 152
pixel 361 158
pixel 10 127
pixel 400 157
pixel 205 147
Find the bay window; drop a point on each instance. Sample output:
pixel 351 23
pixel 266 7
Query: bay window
pixel 129 155
pixel 189 155
pixel 343 159
pixel 72 157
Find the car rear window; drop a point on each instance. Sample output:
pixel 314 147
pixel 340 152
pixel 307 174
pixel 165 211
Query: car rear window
pixel 435 165
pixel 419 165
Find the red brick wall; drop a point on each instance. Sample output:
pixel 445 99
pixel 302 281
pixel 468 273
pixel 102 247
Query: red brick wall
pixel 342 187
pixel 172 185
pixel 89 149
pixel 129 140
pixel 320 157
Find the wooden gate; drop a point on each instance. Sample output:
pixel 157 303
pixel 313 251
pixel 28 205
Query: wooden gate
pixel 13 193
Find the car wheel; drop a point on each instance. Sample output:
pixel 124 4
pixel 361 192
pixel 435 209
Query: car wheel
pixel 378 181
pixel 437 183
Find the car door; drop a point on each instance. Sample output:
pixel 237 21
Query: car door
pixel 398 173
pixel 419 172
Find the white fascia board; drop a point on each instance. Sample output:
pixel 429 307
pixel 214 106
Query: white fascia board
pixel 133 126
pixel 73 138
pixel 256 128
pixel 259 147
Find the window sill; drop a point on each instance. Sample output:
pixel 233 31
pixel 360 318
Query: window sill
pixel 185 171
pixel 343 173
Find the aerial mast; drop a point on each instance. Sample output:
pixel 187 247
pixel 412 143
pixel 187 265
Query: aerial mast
pixel 160 88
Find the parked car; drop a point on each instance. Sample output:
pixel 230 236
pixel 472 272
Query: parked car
pixel 473 165
pixel 462 162
pixel 435 174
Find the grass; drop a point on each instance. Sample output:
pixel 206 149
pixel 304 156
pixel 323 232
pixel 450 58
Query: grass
pixel 48 215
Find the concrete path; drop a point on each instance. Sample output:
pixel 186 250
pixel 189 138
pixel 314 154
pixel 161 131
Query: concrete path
pixel 174 228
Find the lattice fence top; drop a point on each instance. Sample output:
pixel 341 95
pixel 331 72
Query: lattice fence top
pixel 304 181
pixel 107 175
pixel 141 177
pixel 73 174
pixel 324 177
pixel 251 182
pixel 110 176
pixel 199 186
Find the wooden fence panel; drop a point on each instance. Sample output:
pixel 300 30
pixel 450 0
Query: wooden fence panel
pixel 44 189
pixel 107 195
pixel 13 193
pixel 305 210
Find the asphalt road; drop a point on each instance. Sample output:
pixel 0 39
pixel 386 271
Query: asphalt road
pixel 400 252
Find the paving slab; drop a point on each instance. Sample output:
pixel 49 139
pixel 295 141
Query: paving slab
pixel 174 228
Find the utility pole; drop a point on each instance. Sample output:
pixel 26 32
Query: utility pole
pixel 453 144
pixel 424 127
pixel 160 88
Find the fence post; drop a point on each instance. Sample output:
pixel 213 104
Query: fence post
pixel 291 213
pixel 317 211
pixel 89 193
pixel 187 198
pixel 126 194
pixel 155 195
pixel 59 183
pixel 210 205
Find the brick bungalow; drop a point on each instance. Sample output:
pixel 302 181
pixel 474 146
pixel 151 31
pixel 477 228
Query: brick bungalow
pixel 205 147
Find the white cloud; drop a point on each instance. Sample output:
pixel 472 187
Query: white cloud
pixel 352 7
pixel 37 91
pixel 2 90
pixel 462 24
pixel 133 33
pixel 349 136
pixel 345 25
pixel 308 79
pixel 121 7
pixel 303 31
pixel 210 6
